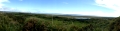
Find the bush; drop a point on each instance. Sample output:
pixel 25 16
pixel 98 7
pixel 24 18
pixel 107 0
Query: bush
pixel 115 26
pixel 7 24
pixel 34 24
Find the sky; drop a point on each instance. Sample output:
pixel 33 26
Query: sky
pixel 107 8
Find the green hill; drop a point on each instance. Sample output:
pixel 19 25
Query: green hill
pixel 19 21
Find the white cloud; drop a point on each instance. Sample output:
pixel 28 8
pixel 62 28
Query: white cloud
pixel 4 8
pixel 2 1
pixel 111 4
pixel 7 9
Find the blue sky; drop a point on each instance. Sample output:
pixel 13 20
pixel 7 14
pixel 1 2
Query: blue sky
pixel 80 7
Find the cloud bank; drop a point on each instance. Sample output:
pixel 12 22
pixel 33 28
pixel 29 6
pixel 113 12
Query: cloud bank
pixel 4 8
pixel 2 1
pixel 111 4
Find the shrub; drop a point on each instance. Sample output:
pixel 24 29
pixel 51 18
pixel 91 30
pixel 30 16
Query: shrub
pixel 34 24
pixel 6 24
pixel 115 26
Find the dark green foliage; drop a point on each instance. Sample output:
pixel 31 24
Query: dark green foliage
pixel 43 22
pixel 34 24
pixel 115 26
pixel 7 24
pixel 74 28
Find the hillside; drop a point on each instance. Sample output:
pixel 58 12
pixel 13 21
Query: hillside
pixel 19 21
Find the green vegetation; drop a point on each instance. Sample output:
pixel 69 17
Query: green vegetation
pixel 43 22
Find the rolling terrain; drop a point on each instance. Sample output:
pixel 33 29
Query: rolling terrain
pixel 20 21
